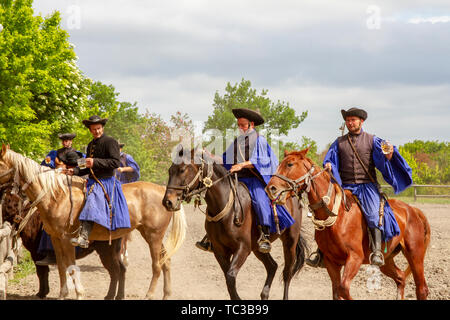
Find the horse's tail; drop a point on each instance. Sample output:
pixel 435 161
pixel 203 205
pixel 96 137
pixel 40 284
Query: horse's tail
pixel 300 252
pixel 177 234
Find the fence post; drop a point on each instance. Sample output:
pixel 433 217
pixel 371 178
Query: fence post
pixel 415 193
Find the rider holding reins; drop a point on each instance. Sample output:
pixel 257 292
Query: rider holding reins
pixel 251 157
pixel 352 159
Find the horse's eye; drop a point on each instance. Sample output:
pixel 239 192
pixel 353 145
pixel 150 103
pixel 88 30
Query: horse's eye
pixel 290 164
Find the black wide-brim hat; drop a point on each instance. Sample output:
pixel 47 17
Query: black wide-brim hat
pixel 67 136
pixel 94 120
pixel 71 158
pixel 251 115
pixel 354 112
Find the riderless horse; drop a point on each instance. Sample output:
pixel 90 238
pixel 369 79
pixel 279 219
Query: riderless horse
pixel 341 228
pixel 59 210
pixel 230 220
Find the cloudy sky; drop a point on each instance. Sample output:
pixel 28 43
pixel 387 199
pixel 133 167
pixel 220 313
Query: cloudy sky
pixel 389 57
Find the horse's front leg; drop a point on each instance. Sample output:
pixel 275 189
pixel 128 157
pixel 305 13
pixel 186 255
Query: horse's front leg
pixel 65 257
pixel 351 268
pixel 237 261
pixel 334 271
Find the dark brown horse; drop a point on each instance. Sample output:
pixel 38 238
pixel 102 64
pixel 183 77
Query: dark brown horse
pixel 343 239
pixel 233 233
pixel 13 211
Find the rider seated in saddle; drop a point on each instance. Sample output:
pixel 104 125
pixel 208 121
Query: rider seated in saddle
pixel 65 157
pixel 105 202
pixel 251 157
pixel 356 172
pixel 129 170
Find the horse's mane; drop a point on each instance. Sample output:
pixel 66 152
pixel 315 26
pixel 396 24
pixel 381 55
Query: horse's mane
pixel 31 171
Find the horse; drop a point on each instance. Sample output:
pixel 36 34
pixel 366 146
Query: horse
pixel 232 228
pixel 342 238
pixel 14 210
pixel 49 192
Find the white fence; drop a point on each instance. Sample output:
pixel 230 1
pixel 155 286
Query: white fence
pixel 417 195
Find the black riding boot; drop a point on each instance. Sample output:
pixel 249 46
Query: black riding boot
pixel 49 259
pixel 376 257
pixel 205 244
pixel 83 239
pixel 264 240
pixel 317 261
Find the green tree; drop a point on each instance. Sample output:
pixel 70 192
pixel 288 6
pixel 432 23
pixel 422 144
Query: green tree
pixel 41 89
pixel 279 116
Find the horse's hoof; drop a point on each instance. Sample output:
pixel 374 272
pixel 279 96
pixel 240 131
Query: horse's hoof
pixel 108 298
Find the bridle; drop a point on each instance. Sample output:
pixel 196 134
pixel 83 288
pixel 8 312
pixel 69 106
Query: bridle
pixel 304 183
pixel 200 176
pixel 20 220
pixel 206 182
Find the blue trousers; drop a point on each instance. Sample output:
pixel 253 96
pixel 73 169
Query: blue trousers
pixel 97 209
pixel 369 198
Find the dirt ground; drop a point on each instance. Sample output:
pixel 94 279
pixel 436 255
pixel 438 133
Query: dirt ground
pixel 196 274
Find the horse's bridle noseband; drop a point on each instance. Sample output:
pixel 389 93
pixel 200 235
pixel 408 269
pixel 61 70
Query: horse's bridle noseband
pixel 206 180
pixel 295 185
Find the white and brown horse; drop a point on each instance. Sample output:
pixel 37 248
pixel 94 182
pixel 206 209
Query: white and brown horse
pixel 49 191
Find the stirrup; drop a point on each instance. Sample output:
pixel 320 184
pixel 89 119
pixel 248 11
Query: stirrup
pixel 264 245
pixel 376 254
pixel 80 241
pixel 204 245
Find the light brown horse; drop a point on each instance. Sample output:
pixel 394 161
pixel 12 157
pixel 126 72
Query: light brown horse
pixel 231 225
pixel 50 193
pixel 344 239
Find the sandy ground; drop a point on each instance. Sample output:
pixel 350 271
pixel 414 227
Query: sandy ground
pixel 196 274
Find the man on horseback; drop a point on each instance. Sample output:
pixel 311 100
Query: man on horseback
pixel 254 162
pixel 105 203
pixel 129 170
pixel 352 159
pixel 67 157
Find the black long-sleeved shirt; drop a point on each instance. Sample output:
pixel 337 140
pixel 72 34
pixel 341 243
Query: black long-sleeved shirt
pixel 106 154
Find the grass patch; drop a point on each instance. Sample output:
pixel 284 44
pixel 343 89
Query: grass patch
pixel 422 200
pixel 24 268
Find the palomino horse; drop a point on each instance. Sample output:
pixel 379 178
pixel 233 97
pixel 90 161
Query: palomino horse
pixel 230 221
pixel 343 238
pixel 29 228
pixel 50 194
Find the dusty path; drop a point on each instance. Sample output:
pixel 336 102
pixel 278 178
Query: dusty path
pixel 196 274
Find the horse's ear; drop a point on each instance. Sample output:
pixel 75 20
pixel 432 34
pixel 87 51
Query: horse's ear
pixel 286 153
pixel 5 147
pixel 304 152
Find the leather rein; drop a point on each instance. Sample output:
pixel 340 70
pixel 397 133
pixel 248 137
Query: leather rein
pixel 207 182
pixel 304 183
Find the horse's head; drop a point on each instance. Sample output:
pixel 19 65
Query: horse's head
pixel 10 204
pixel 6 169
pixel 184 176
pixel 293 176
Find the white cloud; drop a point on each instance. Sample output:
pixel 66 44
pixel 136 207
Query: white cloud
pixel 432 20
pixel 317 55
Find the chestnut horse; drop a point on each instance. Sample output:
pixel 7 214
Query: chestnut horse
pixel 15 211
pixel 230 222
pixel 50 193
pixel 343 239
